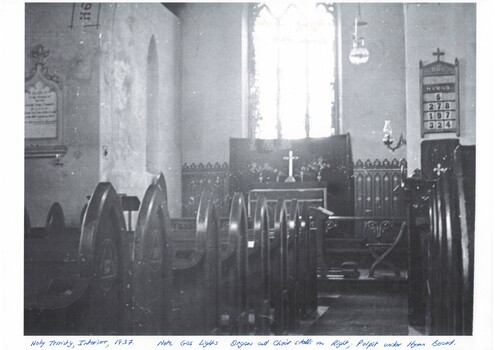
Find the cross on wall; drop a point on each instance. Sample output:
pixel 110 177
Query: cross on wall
pixel 438 53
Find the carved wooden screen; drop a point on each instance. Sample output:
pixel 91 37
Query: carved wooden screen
pixel 196 177
pixel 374 183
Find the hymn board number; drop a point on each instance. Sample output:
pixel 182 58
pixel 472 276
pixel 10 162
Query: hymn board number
pixel 439 96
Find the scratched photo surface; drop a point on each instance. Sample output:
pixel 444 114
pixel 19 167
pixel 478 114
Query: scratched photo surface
pixel 299 172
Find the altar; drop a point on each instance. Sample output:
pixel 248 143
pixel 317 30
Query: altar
pixel 318 171
pixel 314 193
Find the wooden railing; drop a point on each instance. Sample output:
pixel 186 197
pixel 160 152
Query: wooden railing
pixel 350 238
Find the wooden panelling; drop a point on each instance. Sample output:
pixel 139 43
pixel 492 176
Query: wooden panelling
pixel 196 177
pixel 374 184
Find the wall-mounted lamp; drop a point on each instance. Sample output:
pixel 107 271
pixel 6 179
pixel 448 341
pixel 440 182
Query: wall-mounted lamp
pixel 388 140
pixel 359 53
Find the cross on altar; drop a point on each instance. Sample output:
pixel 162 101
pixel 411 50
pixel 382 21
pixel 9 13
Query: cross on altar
pixel 438 54
pixel 290 178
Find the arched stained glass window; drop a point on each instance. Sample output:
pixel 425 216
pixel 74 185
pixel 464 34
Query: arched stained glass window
pixel 293 70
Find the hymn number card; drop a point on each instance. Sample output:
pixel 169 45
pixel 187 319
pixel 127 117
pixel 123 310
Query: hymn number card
pixel 439 97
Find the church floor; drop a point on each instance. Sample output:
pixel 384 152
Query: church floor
pixel 366 308
pixel 361 314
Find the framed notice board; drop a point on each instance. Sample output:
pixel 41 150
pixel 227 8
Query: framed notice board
pixel 439 97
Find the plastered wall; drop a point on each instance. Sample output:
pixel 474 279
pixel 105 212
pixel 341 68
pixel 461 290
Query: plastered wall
pixel 212 92
pixel 123 79
pixel 375 91
pixel 74 58
pixel 452 28
pixel 102 73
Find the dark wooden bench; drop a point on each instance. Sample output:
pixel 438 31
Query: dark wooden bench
pixel 280 276
pixel 75 281
pixel 258 284
pixel 441 228
pixel 195 286
pixel 382 237
pixel 234 276
pixel 101 279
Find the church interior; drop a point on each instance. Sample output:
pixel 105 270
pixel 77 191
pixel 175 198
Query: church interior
pixel 288 168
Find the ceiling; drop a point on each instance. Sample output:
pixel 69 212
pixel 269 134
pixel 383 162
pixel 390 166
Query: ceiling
pixel 174 7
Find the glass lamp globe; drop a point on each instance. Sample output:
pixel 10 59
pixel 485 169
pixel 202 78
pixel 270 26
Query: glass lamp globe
pixel 387 132
pixel 359 54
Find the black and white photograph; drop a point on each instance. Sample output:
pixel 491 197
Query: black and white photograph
pixel 293 170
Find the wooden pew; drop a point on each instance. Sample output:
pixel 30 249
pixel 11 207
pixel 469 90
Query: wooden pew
pixel 293 258
pixel 444 285
pixel 105 279
pixel 285 294
pixel 75 282
pixel 150 265
pixel 131 271
pixel 258 285
pixel 193 301
pixel 243 292
pixel 307 264
pixel 382 237
pixel 27 223
pixel 196 267
pixel 282 253
pixel 416 197
pixel 465 167
pixel 54 224
pixel 234 271
pixel 455 199
pixel 279 299
pixel 247 270
pixel 269 303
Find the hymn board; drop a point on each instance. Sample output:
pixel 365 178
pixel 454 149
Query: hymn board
pixel 439 97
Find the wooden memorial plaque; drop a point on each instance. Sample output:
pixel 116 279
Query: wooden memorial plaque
pixel 439 97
